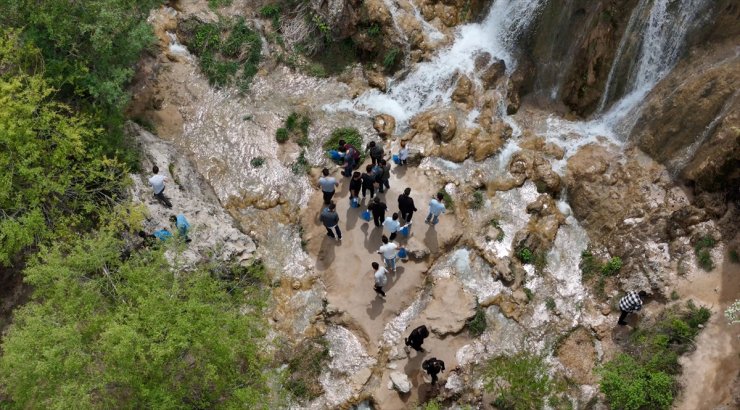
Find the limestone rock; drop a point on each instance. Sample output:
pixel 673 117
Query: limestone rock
pixel 376 80
pixel 578 354
pixel 378 12
pixel 444 125
pixel 491 74
pixel 444 317
pixel 463 89
pixel 532 165
pixel 401 382
pixel 488 143
pixel 384 124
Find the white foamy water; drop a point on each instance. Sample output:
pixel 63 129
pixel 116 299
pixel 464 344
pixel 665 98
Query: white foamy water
pixel 431 82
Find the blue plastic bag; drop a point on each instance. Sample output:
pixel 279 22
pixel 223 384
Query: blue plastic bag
pixel 405 230
pixel 402 253
pixel 354 202
pixel 396 159
pixel 335 155
pixel 365 215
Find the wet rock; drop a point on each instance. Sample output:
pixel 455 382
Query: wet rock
pixel 376 80
pixel 532 165
pixel 491 74
pixel 377 12
pixel 401 382
pixel 444 125
pixel 463 89
pixel 384 124
pixel 488 143
pixel 444 317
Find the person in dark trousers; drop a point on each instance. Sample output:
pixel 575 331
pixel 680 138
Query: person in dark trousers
pixel 433 367
pixel 630 303
pixel 377 208
pixel 376 152
pixel 416 338
pixel 381 278
pixel 368 181
pixel 355 184
pixel 392 224
pixel 330 219
pixel 157 182
pixel 406 205
pixel 385 176
pixel 351 157
pixel 328 185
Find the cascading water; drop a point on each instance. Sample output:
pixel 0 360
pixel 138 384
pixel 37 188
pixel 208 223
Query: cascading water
pixel 431 82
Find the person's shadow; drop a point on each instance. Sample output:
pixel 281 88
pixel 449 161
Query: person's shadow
pixel 372 239
pixel 399 171
pixel 326 253
pixel 376 307
pixel 430 239
pixel 353 214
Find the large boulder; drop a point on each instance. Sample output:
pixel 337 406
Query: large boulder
pixel 384 124
pixel 401 382
pixel 444 317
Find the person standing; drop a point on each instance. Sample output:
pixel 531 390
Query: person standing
pixel 351 157
pixel 330 219
pixel 392 224
pixel 406 205
pixel 381 278
pixel 157 182
pixel 436 208
pixel 385 176
pixel 433 367
pixel 182 225
pixel 403 154
pixel 368 181
pixel 416 338
pixel 328 185
pixel 377 208
pixel 630 303
pixel 355 184
pixel 389 250
pixel 376 151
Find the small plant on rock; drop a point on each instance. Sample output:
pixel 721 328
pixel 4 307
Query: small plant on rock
pixel 702 251
pixel 282 135
pixel 257 162
pixel 612 267
pixel 525 255
pixel 550 304
pixel 477 200
pixel 447 200
pixel 477 324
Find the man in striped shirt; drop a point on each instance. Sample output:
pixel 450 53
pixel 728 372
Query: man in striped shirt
pixel 631 302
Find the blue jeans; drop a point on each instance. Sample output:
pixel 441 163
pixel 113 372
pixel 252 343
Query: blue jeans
pixel 433 218
pixel 390 263
pixel 349 166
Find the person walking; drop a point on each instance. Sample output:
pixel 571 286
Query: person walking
pixel 416 338
pixel 389 250
pixel 355 184
pixel 351 157
pixel 368 181
pixel 330 219
pixel 377 208
pixel 385 176
pixel 630 303
pixel 406 205
pixel 436 208
pixel 328 185
pixel 182 225
pixel 392 224
pixel 381 278
pixel 376 151
pixel 403 154
pixel 433 367
pixel 157 182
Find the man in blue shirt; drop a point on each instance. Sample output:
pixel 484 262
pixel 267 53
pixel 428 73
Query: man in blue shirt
pixel 182 225
pixel 436 208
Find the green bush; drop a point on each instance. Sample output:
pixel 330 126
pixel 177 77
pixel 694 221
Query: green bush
pixel 612 267
pixel 348 134
pixel 525 255
pixel 257 162
pixel 301 165
pixel 216 4
pixel 477 324
pixel 282 135
pixel 629 385
pixel 550 304
pixel 272 11
pixel 305 361
pixel 391 59
pixel 477 200
pixel 521 381
pixel 447 200
pixel 703 256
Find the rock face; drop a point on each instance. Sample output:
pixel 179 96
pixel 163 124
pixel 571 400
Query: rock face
pixel 385 125
pixel 578 354
pixel 449 307
pixel 690 120
pixel 401 382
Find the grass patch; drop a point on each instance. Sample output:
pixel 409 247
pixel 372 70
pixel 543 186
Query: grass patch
pixel 528 292
pixel 550 304
pixel 301 165
pixel 305 362
pixel 477 200
pixel 391 58
pixel 525 255
pixel 296 128
pixel 272 11
pixel 257 162
pixel 675 295
pixel 447 199
pixel 595 271
pixel 282 135
pixel 521 381
pixel 702 250
pixel 477 324
pixel 215 4
pixel 612 266
pixel 644 376
pixel 348 134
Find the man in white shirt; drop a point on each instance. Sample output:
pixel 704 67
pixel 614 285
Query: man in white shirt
pixel 389 250
pixel 436 208
pixel 392 224
pixel 157 182
pixel 327 184
pixel 381 279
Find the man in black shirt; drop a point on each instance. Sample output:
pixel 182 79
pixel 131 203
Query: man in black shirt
pixel 368 181
pixel 433 367
pixel 377 208
pixel 406 205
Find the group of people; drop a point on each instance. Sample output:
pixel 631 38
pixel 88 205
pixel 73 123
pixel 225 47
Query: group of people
pixel 377 174
pixel 178 221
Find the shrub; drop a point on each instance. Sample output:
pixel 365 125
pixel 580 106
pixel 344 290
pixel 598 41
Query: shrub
pixel 257 162
pixel 350 135
pixel 477 324
pixel 391 58
pixel 703 256
pixel 305 361
pixel 292 121
pixel 272 11
pixel 550 303
pixel 521 381
pixel 675 295
pixel 373 30
pixel 447 200
pixel 316 70
pixel 530 295
pixel 282 135
pixel 612 267
pixel 629 385
pixel 301 165
pixel 477 201
pixel 215 4
pixel 525 255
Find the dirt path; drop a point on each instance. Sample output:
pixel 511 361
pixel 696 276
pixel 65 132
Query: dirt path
pixel 347 273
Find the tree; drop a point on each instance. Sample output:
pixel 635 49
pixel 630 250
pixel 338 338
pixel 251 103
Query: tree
pixel 103 332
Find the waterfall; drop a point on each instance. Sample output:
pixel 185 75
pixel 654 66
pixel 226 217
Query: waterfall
pixel 431 82
pixel 661 35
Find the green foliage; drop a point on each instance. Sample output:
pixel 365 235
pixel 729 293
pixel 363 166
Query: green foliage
pixel 525 255
pixel 391 58
pixel 477 201
pixel 53 179
pixel 272 11
pixel 108 331
pixel 477 324
pixel 306 361
pixel 612 267
pixel 734 257
pixel 301 165
pixel 296 127
pixel 257 162
pixel 588 265
pixel 373 30
pixel 282 135
pixel 222 56
pixel 528 292
pixel 334 59
pixel 519 382
pixel 630 386
pixel 550 304
pixel 644 378
pixel 349 135
pixel 495 223
pixel 216 4
pixel 703 257
pixel 447 200
pixel 432 404
pixel 316 70
pixel 675 295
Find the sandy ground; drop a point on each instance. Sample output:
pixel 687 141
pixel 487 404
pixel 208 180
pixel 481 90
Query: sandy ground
pixel 346 270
